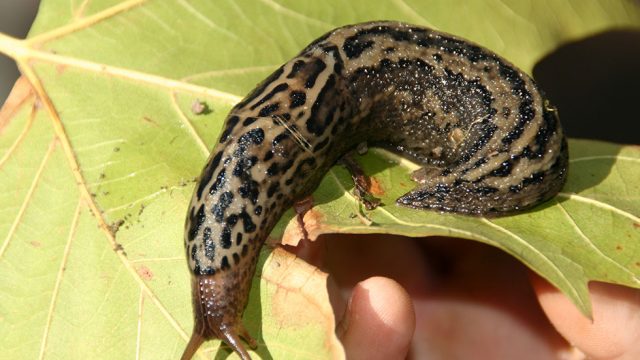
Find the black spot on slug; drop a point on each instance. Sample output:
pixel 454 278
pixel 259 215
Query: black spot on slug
pixel 249 190
pixel 231 220
pixel 269 109
pixel 295 68
pixel 224 263
pixel 209 246
pixel 196 222
pixel 277 89
pixel 353 46
pixel 314 70
pixel 207 174
pixel 243 165
pixel 251 137
pixel 316 123
pixel 245 250
pixel 231 124
pixel 221 179
pixel 504 169
pixel 225 237
pixel 273 169
pixel 223 203
pixel 247 221
pixel 273 189
pixel 298 98
pixel 248 121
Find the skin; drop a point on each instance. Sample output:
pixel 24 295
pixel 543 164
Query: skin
pixel 482 297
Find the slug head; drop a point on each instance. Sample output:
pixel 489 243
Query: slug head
pixel 217 310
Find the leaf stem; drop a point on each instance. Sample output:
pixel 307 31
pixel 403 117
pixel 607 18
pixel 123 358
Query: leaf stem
pixel 12 47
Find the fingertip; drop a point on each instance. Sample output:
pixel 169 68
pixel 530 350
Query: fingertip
pixel 380 321
pixel 614 332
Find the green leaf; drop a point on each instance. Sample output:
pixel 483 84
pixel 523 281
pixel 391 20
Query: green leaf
pixel 99 149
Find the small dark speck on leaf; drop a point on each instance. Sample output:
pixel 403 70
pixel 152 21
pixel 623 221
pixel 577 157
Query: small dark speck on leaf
pixel 141 210
pixel 619 247
pixel 115 226
pixel 199 107
pixel 120 248
pixel 149 120
pixel 116 149
pixel 636 225
pixel 102 176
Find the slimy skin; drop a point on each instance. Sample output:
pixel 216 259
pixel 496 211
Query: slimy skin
pixel 489 142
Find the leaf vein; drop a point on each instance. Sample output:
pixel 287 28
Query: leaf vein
pixel 604 157
pixel 84 23
pixel 22 53
pixel 593 246
pixel 157 20
pixel 14 146
pixel 56 288
pixel 210 23
pixel 584 199
pixel 232 71
pixel 137 201
pixel 190 128
pixel 127 176
pixel 294 14
pixel 27 198
pixel 85 193
pixel 139 330
pixel 540 255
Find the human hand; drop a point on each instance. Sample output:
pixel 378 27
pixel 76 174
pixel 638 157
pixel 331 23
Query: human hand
pixel 453 298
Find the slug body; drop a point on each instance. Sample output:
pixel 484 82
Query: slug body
pixel 489 142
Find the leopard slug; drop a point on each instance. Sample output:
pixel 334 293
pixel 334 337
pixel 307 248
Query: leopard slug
pixel 489 142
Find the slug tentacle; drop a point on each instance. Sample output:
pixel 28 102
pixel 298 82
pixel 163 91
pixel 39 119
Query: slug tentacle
pixel 488 140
